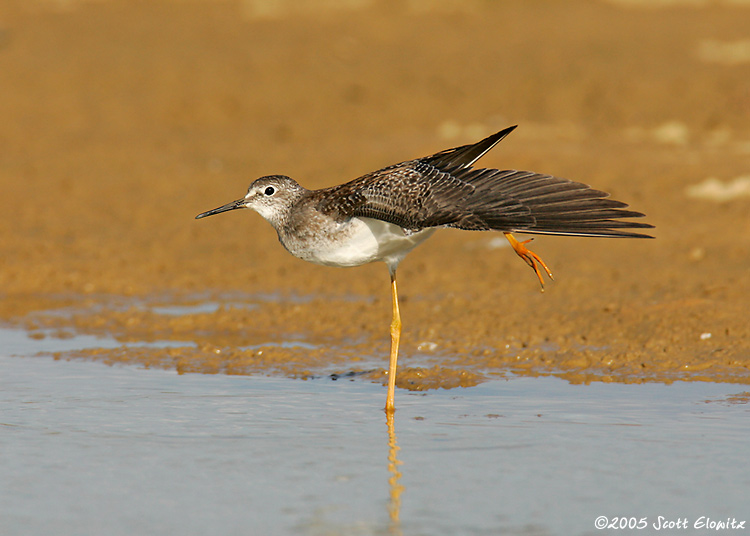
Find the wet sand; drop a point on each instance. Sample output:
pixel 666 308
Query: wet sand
pixel 122 121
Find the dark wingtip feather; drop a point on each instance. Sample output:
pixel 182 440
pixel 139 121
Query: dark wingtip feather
pixel 466 155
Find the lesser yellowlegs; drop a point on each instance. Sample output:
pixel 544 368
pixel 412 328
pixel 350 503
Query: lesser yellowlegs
pixel 385 214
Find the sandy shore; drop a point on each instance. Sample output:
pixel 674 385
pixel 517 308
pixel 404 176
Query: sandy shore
pixel 121 121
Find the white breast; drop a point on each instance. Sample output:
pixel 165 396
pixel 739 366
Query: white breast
pixel 360 241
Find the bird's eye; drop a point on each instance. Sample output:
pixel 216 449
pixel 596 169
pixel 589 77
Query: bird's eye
pixel 269 191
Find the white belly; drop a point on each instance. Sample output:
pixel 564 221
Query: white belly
pixel 362 240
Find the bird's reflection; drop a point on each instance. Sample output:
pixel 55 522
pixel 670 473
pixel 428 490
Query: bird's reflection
pixel 396 489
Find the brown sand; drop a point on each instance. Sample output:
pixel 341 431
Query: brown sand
pixel 120 121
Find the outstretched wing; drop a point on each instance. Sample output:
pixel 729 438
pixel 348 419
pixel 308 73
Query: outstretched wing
pixel 444 190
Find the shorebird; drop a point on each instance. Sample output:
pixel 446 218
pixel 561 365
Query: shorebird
pixel 383 215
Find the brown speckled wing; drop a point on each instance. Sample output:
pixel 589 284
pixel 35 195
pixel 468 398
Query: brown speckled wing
pixel 443 190
pixel 413 195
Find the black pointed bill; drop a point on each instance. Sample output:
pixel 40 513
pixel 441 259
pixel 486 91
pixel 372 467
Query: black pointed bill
pixel 240 203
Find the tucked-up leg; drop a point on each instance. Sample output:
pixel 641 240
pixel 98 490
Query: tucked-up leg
pixel 530 257
pixel 395 338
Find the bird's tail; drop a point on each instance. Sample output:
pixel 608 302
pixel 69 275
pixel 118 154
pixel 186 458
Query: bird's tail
pixel 523 201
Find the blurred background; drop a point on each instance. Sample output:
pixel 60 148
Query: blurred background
pixel 122 120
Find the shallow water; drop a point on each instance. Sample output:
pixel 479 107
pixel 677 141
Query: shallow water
pixel 92 449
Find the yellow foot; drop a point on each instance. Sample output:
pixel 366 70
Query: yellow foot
pixel 530 257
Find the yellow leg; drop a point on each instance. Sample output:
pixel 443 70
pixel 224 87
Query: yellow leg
pixel 395 338
pixel 530 257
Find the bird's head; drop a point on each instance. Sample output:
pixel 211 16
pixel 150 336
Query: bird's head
pixel 272 197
